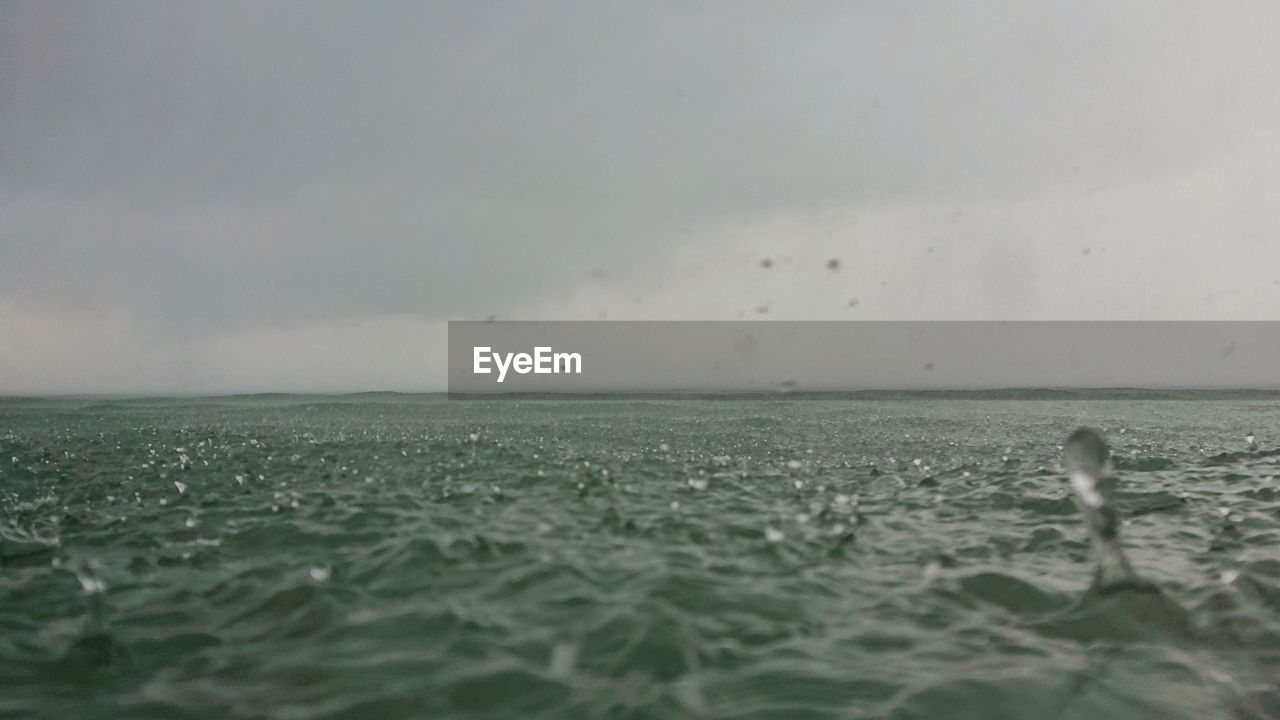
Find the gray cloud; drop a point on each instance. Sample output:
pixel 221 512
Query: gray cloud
pixel 221 168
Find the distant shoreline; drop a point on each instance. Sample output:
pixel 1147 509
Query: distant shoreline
pixel 871 394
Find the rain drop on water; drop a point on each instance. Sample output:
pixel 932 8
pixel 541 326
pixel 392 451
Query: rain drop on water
pixel 563 657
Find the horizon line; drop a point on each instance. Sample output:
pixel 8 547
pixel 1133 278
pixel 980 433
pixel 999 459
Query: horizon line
pixel 667 393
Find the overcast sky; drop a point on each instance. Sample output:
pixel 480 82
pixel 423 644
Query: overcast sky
pixel 214 196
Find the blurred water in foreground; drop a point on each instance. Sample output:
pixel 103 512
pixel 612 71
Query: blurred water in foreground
pixel 403 556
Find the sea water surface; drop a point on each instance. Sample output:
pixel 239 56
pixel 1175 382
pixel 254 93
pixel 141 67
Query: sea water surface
pixel 415 557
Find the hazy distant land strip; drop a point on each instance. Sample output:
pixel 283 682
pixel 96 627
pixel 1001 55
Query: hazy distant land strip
pixel 1177 394
pixel 402 398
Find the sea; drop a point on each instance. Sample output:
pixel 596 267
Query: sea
pixel 416 556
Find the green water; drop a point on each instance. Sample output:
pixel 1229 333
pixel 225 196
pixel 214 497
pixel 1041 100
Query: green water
pixel 404 557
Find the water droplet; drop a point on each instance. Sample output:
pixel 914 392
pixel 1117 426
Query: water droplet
pixel 563 657
pixel 92 586
pixel 89 580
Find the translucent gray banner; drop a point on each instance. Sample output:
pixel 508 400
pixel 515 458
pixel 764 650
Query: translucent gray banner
pixel 591 357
